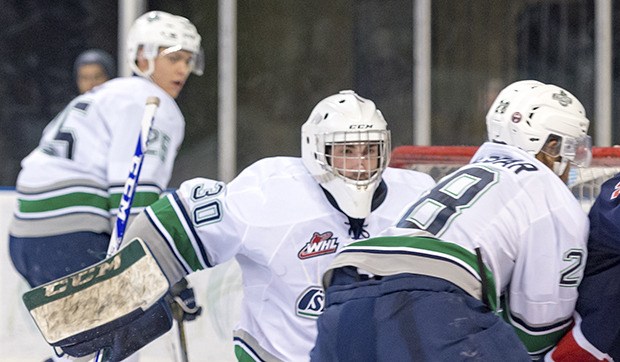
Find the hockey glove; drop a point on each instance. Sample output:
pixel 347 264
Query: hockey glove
pixel 182 301
pixel 119 304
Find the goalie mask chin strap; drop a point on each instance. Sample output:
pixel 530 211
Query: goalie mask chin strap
pixel 356 226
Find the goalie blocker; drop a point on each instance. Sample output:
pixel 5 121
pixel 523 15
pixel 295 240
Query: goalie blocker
pixel 119 304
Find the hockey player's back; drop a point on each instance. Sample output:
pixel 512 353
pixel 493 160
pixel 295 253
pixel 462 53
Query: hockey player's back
pixel 500 235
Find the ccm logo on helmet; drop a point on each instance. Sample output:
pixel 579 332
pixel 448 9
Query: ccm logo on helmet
pixel 360 126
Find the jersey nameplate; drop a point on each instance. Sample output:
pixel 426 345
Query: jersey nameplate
pixel 512 164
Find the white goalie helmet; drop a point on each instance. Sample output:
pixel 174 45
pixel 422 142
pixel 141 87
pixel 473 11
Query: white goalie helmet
pixel 353 127
pixel 158 29
pixel 527 114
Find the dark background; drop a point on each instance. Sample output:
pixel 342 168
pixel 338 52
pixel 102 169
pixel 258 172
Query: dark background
pixel 293 53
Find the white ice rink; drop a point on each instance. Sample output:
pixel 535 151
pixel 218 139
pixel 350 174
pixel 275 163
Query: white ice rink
pixel 209 337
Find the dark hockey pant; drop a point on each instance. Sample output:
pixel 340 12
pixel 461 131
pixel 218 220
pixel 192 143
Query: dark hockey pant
pixel 41 260
pixel 409 317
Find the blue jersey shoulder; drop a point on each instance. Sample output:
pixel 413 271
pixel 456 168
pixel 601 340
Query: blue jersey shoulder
pixel 605 216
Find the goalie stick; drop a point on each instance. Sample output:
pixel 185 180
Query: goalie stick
pixel 129 190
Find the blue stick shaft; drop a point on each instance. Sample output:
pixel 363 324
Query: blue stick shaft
pixel 124 208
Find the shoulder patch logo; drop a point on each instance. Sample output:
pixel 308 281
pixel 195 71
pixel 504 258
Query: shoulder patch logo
pixel 319 244
pixel 310 303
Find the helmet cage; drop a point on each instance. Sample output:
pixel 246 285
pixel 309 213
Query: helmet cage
pixel 356 157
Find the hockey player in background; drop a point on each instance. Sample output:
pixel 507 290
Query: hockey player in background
pixel 283 219
pixel 93 67
pixel 501 235
pixel 596 334
pixel 70 186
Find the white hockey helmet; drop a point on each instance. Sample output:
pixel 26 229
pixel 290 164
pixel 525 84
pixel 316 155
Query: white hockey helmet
pixel 496 128
pixel 346 119
pixel 158 29
pixel 527 114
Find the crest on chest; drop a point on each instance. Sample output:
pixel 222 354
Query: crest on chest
pixel 319 244
pixel 311 302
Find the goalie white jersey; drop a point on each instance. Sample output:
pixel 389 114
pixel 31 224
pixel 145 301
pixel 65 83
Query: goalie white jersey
pixel 74 179
pixel 278 223
pixel 531 231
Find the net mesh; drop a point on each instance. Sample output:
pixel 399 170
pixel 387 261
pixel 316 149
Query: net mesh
pixel 438 161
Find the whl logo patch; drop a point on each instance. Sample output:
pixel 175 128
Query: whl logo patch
pixel 319 244
pixel 311 303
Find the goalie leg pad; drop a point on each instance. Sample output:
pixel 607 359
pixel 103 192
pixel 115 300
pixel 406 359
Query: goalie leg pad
pixel 118 303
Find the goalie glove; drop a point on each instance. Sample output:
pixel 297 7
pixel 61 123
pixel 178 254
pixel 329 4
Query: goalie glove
pixel 119 304
pixel 183 302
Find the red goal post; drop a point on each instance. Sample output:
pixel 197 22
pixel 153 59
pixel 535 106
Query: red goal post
pixel 438 161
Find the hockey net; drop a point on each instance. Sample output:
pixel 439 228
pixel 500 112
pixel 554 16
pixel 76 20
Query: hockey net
pixel 438 161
